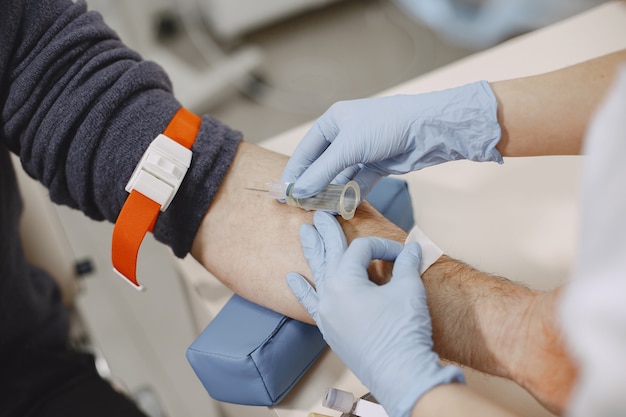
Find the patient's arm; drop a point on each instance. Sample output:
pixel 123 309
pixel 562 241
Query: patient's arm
pixel 547 114
pixel 250 242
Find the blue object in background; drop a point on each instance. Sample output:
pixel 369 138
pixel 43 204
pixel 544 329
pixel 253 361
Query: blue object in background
pixel 480 24
pixel 391 198
pixel 254 356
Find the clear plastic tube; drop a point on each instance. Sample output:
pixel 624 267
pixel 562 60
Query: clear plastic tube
pixel 345 402
pixel 339 400
pixel 336 198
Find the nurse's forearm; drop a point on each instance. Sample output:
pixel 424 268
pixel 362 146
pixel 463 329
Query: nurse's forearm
pixel 548 114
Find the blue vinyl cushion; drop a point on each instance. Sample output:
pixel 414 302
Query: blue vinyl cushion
pixel 392 199
pixel 253 356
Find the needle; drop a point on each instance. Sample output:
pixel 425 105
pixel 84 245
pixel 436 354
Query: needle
pixel 256 189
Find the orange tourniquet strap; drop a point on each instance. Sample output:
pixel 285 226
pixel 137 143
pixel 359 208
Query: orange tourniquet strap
pixel 184 127
pixel 136 218
pixel 139 213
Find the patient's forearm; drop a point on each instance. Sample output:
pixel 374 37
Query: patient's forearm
pixel 250 242
pixel 547 114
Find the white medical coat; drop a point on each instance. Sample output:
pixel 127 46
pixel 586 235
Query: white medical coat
pixel 593 308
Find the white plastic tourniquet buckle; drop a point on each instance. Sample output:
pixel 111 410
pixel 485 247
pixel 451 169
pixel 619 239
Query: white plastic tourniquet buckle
pixel 161 170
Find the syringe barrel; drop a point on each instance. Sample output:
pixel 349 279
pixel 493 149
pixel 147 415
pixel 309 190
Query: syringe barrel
pixel 336 198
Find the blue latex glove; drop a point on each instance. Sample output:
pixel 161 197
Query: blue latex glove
pixel 370 138
pixel 382 333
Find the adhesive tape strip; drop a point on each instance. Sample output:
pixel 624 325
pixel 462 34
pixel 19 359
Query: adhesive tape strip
pixel 430 251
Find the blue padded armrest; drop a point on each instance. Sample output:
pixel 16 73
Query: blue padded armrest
pixel 251 355
pixel 392 199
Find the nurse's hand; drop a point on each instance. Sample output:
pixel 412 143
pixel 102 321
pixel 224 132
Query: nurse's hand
pixel 370 138
pixel 382 333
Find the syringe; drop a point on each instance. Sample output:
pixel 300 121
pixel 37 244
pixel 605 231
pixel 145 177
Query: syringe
pixel 336 198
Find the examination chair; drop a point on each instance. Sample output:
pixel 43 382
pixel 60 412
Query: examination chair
pixel 253 356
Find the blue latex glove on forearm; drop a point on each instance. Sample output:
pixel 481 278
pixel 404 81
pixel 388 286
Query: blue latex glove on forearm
pixel 382 333
pixel 370 138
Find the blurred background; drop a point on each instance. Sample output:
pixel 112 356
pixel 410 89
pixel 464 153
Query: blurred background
pixel 265 66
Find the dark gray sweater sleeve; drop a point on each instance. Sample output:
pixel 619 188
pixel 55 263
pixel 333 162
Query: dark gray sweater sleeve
pixel 80 108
